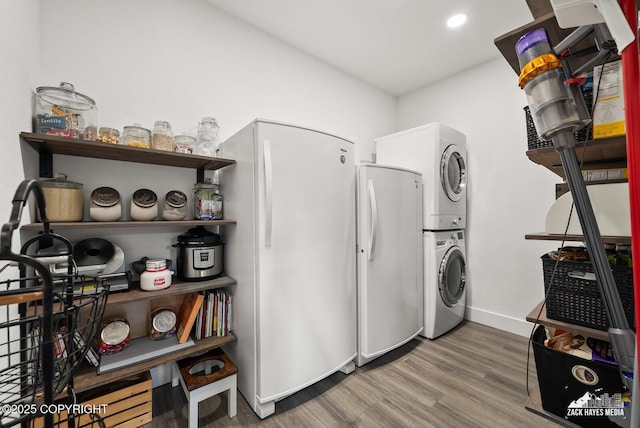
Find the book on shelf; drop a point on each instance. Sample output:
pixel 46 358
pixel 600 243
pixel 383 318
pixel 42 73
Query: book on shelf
pixel 214 315
pixel 189 309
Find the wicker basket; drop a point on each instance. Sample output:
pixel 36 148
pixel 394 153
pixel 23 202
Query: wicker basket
pixel 575 298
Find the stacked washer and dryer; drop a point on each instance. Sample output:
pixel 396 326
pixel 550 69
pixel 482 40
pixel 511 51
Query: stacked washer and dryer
pixel 438 152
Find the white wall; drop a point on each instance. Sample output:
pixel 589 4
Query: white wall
pixel 508 195
pixel 179 61
pixel 18 68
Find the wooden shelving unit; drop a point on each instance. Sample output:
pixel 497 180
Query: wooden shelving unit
pixel 136 303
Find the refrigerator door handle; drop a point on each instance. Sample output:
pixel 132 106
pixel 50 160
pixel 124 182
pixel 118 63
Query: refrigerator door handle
pixel 268 183
pixel 374 217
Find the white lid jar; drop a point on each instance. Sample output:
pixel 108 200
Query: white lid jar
pixel 156 276
pixel 144 205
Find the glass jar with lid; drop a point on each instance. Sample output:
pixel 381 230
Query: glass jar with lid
pixel 136 136
pixel 162 136
pixel 144 205
pixel 64 199
pixel 184 144
pixel 207 201
pixel 174 206
pixel 207 137
pixel 64 112
pixel 108 135
pixel 105 204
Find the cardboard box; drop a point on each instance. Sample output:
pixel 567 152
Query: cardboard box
pixel 608 113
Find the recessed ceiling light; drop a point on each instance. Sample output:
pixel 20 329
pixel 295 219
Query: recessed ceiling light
pixel 457 20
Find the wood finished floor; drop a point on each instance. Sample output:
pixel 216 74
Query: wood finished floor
pixel 474 376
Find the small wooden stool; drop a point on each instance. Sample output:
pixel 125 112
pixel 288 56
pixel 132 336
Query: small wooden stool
pixel 200 387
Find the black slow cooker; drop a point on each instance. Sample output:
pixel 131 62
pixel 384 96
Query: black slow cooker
pixel 200 255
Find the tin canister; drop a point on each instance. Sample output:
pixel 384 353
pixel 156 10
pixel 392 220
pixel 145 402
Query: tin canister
pixel 163 324
pixel 115 335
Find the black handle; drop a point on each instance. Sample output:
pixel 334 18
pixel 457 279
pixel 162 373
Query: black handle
pixel 19 201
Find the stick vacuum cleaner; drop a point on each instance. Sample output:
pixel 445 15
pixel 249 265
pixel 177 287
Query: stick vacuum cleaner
pixel 558 110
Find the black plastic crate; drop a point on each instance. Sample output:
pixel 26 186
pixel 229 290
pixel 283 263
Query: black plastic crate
pixel 574 297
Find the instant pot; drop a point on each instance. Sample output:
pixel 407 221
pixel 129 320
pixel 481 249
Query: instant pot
pixel 200 255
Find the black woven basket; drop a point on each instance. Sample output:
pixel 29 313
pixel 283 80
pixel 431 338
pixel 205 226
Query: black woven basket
pixel 575 298
pixel 532 135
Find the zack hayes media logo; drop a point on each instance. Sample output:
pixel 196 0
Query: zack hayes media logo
pixel 592 405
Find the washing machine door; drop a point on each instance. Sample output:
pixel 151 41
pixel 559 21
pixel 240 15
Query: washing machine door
pixel 452 276
pixel 453 173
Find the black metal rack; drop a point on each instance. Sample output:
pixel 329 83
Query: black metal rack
pixel 47 323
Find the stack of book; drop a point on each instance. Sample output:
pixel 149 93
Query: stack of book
pixel 214 316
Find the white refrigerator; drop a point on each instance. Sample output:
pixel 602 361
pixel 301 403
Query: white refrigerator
pixel 389 259
pixel 292 253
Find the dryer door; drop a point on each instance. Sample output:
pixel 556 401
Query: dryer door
pixel 453 173
pixel 452 276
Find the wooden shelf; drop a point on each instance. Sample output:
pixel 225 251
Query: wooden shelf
pixel 605 153
pixel 86 377
pixel 544 320
pixel 177 288
pixel 506 43
pixel 114 224
pixel 543 236
pixel 48 145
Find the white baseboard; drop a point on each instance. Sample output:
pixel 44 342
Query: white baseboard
pixel 517 326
